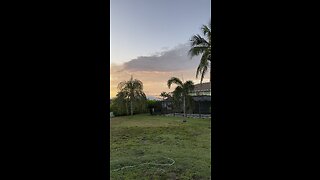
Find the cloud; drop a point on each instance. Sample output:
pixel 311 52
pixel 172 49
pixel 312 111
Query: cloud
pixel 155 70
pixel 169 60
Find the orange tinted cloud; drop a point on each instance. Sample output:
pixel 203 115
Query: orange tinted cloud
pixel 154 71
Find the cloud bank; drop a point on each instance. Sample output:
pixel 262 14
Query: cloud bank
pixel 171 60
pixel 155 70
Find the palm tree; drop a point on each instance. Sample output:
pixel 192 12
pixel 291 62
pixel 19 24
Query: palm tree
pixel 182 89
pixel 165 95
pixel 202 45
pixel 132 90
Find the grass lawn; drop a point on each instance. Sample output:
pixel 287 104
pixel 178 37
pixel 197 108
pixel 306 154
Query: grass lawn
pixel 159 147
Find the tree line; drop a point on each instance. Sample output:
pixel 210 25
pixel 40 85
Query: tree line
pixel 132 100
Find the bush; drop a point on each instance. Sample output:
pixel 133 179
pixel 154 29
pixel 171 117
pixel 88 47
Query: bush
pixel 121 108
pixel 151 103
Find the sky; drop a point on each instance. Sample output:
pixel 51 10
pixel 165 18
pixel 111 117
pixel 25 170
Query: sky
pixel 150 40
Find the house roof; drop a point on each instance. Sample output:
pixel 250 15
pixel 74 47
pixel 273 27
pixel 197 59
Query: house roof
pixel 202 87
pixel 201 98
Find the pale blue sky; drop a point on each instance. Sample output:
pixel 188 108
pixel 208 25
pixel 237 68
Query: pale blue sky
pixel 145 27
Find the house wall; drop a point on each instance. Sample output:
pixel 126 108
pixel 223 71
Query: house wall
pixel 203 107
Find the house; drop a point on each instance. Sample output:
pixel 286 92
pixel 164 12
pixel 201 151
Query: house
pixel 203 89
pixel 167 105
pixel 202 98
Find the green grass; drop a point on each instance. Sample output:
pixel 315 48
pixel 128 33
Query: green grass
pixel 141 142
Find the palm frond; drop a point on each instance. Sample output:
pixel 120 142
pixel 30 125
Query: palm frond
pixel 204 71
pixel 197 40
pixel 188 86
pixel 174 80
pixel 178 92
pixel 197 50
pixel 204 65
pixel 202 46
pixel 122 84
pixel 206 31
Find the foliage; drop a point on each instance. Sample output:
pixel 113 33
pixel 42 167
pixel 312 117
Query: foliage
pixel 181 93
pixel 202 46
pixel 132 94
pixel 130 98
pixel 165 95
pixel 151 103
pixel 119 105
pixel 189 104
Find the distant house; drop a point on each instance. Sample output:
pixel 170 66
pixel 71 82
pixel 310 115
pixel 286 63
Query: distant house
pixel 203 89
pixel 202 98
pixel 167 106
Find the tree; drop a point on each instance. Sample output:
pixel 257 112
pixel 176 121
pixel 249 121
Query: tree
pixel 119 105
pixel 182 89
pixel 132 90
pixel 165 95
pixel 202 46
